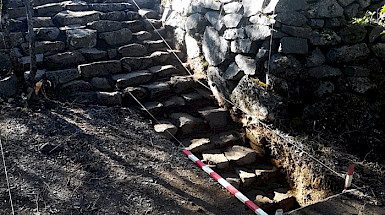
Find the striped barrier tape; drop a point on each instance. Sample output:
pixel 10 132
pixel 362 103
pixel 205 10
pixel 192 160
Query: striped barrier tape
pixel 349 176
pixel 225 184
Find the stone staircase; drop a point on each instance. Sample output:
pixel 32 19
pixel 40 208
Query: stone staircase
pixel 101 53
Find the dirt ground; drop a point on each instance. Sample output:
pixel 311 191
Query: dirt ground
pixel 98 160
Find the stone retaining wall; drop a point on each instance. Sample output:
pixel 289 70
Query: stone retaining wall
pixel 322 71
pixel 316 51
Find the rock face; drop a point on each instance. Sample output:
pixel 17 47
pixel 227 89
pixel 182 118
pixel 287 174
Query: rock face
pixel 81 38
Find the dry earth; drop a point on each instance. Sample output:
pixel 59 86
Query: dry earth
pixel 98 160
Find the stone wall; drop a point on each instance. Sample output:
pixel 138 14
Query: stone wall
pixel 79 44
pixel 315 50
pixel 323 72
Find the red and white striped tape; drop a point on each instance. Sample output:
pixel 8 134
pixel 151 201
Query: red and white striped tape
pixel 349 176
pixel 225 184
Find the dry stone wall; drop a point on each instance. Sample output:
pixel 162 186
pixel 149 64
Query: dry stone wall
pixel 83 46
pixel 316 52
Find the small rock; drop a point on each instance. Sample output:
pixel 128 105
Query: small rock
pixel 166 128
pixel 198 145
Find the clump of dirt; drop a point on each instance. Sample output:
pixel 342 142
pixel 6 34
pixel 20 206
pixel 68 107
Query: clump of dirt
pixel 99 160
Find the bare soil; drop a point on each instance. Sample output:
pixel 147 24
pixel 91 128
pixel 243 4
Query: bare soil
pixel 99 160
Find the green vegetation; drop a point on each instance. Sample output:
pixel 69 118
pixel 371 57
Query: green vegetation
pixel 370 17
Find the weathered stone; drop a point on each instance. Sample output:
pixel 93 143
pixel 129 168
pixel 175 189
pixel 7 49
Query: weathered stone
pixel 218 118
pixel 345 3
pixel 241 155
pixel 216 159
pixel 195 24
pixel 256 100
pixel 143 3
pixel 138 92
pixel 142 35
pixel 293 18
pixel 81 38
pixel 67 17
pixel 62 76
pixel 214 47
pixel 111 6
pixel 194 145
pixel 353 33
pixel 316 58
pixel 163 71
pixel 149 24
pixel 166 128
pixel 325 88
pixel 160 57
pixel 154 108
pixel 297 31
pixel 379 50
pixel 136 63
pixel 155 45
pixel 75 86
pixel 262 19
pixel 252 7
pixel 193 49
pixel 233 179
pixel 75 6
pixel 93 54
pixel 132 79
pixel 48 9
pixel 217 84
pixel 361 84
pixel 109 98
pixel 175 20
pixel 215 19
pixel 347 54
pixel 148 13
pixel 356 71
pixel 233 7
pixel 336 22
pixel 174 103
pixel 247 176
pixel 100 83
pixel 115 38
pixel 324 37
pixel 213 5
pixel 40 22
pixel 324 71
pixel 290 5
pixel 316 23
pixel 257 32
pixel 234 33
pixel 375 33
pixel 226 139
pixel 232 20
pixel 351 11
pixel 241 46
pixel 114 16
pixel 100 68
pixel 157 89
pixel 285 66
pixel 44 47
pixel 325 9
pixel 246 64
pixel 104 25
pixel 48 33
pixel 64 60
pixel 233 73
pixel 133 50
pixel 134 25
pixel 293 45
pixel 182 84
pixel 187 125
pixel 364 3
pixel 8 86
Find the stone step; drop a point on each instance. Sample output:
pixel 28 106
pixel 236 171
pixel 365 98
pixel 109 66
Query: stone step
pixel 149 24
pixel 166 129
pixel 119 16
pixel 148 14
pixel 131 79
pixel 160 57
pixel 182 84
pixel 216 159
pixel 155 45
pixel 134 25
pixel 163 71
pixel 68 17
pixel 157 89
pixel 132 50
pixel 186 123
pixel 142 36
pixel 241 155
pixel 217 118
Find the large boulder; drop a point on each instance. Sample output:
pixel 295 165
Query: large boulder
pixel 257 101
pixel 215 47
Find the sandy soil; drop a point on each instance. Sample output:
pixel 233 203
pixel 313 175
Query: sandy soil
pixel 97 160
